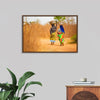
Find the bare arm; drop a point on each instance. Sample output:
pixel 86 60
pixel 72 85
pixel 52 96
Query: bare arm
pixel 50 30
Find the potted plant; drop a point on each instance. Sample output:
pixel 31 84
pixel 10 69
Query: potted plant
pixel 11 91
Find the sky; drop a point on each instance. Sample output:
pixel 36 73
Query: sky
pixel 42 20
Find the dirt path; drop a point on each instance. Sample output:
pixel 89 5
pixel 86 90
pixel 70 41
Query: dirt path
pixel 47 47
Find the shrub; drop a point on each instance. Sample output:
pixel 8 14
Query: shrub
pixel 74 39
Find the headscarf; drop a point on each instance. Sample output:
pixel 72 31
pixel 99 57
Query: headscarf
pixel 62 28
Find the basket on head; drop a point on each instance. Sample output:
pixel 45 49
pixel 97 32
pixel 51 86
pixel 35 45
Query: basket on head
pixel 52 22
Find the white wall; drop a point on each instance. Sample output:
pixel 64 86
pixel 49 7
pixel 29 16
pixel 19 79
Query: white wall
pixel 54 70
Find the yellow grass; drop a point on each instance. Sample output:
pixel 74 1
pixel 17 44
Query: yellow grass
pixel 34 32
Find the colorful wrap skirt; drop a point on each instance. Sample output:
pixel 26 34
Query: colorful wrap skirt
pixel 53 37
pixel 61 37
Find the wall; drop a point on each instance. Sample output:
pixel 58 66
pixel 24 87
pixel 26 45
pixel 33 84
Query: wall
pixel 52 69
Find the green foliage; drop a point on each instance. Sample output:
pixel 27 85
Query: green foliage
pixel 14 80
pixel 23 79
pixel 74 39
pixel 31 83
pixel 59 18
pixel 27 95
pixel 4 86
pixel 4 95
pixel 11 91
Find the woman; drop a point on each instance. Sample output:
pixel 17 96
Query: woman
pixel 61 35
pixel 53 32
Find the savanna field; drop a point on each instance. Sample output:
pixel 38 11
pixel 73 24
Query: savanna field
pixel 36 38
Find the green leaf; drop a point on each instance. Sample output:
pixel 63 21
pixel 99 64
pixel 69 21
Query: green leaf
pixel 59 18
pixel 14 80
pixel 4 95
pixel 4 86
pixel 23 79
pixel 25 95
pixel 7 93
pixel 31 83
pixel 1 95
pixel 14 89
pixel 16 98
pixel 9 87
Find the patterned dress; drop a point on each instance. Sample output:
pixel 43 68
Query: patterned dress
pixel 61 37
pixel 53 37
pixel 53 33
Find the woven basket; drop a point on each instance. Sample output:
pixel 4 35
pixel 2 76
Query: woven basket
pixel 52 22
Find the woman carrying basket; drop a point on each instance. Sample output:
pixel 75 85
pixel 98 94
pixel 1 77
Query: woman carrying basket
pixel 53 32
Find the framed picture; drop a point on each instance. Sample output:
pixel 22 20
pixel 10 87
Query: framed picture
pixel 50 33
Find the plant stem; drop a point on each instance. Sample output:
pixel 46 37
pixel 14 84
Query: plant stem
pixel 18 94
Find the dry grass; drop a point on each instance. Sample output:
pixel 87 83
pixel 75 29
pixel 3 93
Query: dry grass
pixel 32 33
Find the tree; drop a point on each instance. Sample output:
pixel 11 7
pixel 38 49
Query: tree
pixel 70 20
pixel 59 18
pixel 37 21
